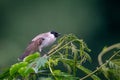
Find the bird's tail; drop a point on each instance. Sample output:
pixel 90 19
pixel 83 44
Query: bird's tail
pixel 23 56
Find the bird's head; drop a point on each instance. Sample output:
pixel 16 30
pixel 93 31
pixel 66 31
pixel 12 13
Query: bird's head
pixel 55 33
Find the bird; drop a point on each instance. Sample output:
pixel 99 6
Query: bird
pixel 39 42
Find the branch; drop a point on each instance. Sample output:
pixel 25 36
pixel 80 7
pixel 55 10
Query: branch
pixel 101 65
pixel 104 51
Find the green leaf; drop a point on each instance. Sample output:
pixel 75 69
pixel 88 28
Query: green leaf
pixel 44 78
pixel 74 48
pixel 54 61
pixel 22 71
pixel 115 64
pixel 57 72
pixel 112 71
pixel 63 76
pixel 5 74
pixel 31 57
pixel 14 68
pixel 38 63
pixel 105 70
pixel 69 70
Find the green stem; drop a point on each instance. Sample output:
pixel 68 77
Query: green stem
pixel 100 66
pixel 51 70
pixel 53 52
pixel 105 51
pixel 75 62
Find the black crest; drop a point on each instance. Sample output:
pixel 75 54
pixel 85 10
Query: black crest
pixel 55 33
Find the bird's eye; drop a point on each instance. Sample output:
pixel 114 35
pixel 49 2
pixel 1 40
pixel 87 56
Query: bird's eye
pixel 43 39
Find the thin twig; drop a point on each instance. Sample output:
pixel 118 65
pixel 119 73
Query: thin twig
pixel 51 53
pixel 100 66
pixel 104 51
pixel 51 70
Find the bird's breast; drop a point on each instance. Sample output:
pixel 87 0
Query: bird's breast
pixel 47 42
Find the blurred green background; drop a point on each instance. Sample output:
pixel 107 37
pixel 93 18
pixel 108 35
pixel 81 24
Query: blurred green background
pixel 95 21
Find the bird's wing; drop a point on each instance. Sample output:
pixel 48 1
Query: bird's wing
pixel 32 47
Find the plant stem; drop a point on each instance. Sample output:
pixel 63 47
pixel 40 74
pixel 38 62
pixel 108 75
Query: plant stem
pixel 51 70
pixel 100 66
pixel 104 51
pixel 51 52
pixel 75 62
